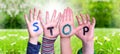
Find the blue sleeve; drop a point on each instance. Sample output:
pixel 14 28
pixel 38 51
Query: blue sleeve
pixel 33 49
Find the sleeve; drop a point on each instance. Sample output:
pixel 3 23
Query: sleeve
pixel 33 49
pixel 80 51
pixel 48 46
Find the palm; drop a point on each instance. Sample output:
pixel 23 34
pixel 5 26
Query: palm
pixel 85 22
pixel 55 30
pixel 67 23
pixel 33 30
pixel 85 37
pixel 67 29
pixel 51 26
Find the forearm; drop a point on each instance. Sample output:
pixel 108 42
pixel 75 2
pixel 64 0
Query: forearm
pixel 33 49
pixel 48 46
pixel 33 45
pixel 88 48
pixel 65 46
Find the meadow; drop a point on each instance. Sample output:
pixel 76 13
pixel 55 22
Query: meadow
pixel 14 41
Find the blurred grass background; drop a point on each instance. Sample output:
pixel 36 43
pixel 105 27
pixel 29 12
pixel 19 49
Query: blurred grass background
pixel 14 36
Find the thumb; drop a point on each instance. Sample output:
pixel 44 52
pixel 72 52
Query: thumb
pixel 78 28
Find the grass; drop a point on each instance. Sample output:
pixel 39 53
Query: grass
pixel 14 41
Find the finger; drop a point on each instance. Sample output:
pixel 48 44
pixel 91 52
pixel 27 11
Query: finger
pixel 26 18
pixel 39 15
pixel 47 17
pixel 53 16
pixel 67 14
pixel 61 18
pixel 58 16
pixel 71 14
pixel 35 15
pixel 58 24
pixel 88 19
pixel 77 34
pixel 78 29
pixel 58 19
pixel 42 22
pixel 64 15
pixel 93 21
pixel 31 15
pixel 78 19
pixel 83 18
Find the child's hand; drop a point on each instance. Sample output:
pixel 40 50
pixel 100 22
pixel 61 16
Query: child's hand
pixel 33 25
pixel 67 28
pixel 51 26
pixel 87 32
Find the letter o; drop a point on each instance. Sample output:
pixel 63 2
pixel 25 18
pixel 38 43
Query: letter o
pixel 63 29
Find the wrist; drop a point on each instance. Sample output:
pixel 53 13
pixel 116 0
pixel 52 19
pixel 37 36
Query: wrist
pixel 65 38
pixel 50 37
pixel 65 45
pixel 48 45
pixel 33 40
pixel 46 39
pixel 90 42
pixel 88 47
